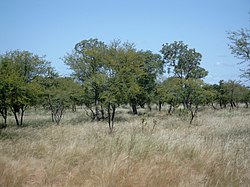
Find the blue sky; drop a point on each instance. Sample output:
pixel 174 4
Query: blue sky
pixel 53 27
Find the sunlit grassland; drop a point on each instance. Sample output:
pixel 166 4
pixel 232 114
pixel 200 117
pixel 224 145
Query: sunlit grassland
pixel 164 150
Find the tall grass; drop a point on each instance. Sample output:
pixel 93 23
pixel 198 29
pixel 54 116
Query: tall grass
pixel 149 150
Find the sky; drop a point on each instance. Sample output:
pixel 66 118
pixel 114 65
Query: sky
pixel 53 27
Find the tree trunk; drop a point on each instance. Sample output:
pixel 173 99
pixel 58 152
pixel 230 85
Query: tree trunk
pixel 111 117
pixel 4 114
pixel 149 107
pixel 160 105
pixel 113 114
pixel 170 109
pixel 16 112
pixel 134 108
pixel 51 108
pixel 21 117
pixel 193 113
pixel 96 105
pixel 220 104
pixel 52 116
pixel 96 110
pixel 73 107
pixel 59 113
pixel 213 106
pixel 102 113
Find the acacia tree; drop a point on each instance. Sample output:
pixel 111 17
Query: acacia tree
pixel 129 70
pixel 198 96
pixel 183 63
pixel 130 77
pixel 7 73
pixel 153 68
pixel 87 61
pixel 58 97
pixel 240 47
pixel 18 71
pixel 212 94
pixel 137 72
pixel 170 92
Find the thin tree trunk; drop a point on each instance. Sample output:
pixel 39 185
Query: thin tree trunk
pixel 102 113
pixel 160 105
pixel 134 108
pixel 170 109
pixel 16 117
pixel 109 119
pixel 213 106
pixel 22 113
pixel 4 115
pixel 193 113
pixel 113 115
pixel 96 110
pixel 96 105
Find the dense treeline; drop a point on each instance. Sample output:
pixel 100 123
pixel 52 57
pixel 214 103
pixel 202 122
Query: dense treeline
pixel 106 76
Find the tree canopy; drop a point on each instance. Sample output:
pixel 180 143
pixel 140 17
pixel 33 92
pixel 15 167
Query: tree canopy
pixel 106 76
pixel 240 48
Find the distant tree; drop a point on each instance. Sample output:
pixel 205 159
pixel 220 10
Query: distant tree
pixel 244 95
pixel 236 93
pixel 86 61
pixel 222 97
pixel 170 92
pixel 231 90
pixel 153 68
pixel 240 47
pixel 198 96
pixel 183 63
pixel 58 94
pixel 212 94
pixel 129 71
pixel 18 71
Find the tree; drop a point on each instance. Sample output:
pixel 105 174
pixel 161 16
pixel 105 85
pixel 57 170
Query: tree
pixel 240 47
pixel 236 93
pixel 197 96
pixel 212 94
pixel 183 63
pixel 86 61
pixel 129 69
pixel 58 94
pixel 170 92
pixel 153 67
pixel 18 71
pixel 59 97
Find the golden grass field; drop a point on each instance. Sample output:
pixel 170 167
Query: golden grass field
pixel 163 151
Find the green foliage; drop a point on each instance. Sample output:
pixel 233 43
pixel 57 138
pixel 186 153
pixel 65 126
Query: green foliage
pixel 58 94
pixel 240 47
pixel 182 61
pixel 184 64
pixel 153 67
pixel 107 76
pixel 87 62
pixel 18 69
pixel 170 92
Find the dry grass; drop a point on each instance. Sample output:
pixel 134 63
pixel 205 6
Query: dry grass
pixel 163 151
